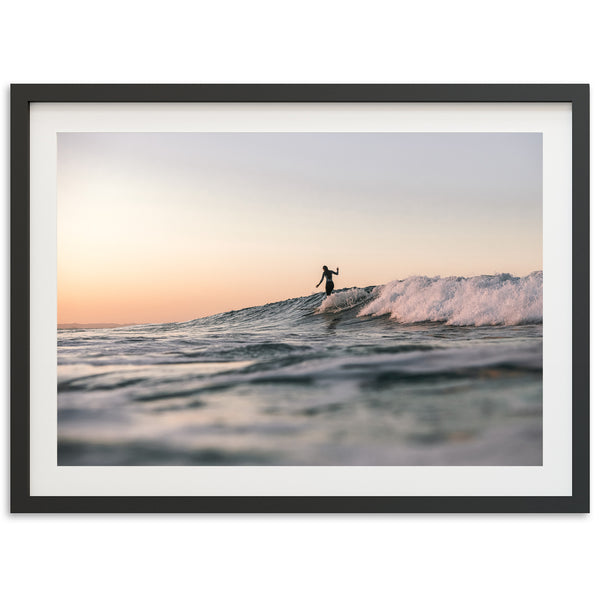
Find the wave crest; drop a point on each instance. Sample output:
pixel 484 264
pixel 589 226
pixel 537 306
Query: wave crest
pixel 481 300
pixel 343 300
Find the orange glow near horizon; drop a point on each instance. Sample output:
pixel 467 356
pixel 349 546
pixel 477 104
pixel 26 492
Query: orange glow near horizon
pixel 172 227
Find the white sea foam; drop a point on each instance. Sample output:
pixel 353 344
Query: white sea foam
pixel 481 300
pixel 343 300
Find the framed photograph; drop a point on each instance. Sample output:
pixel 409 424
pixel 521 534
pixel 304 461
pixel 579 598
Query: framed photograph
pixel 300 298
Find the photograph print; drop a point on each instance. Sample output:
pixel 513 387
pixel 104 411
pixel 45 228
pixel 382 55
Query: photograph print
pixel 299 299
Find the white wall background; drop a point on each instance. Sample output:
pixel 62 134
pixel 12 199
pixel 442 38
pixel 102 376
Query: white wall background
pixel 129 556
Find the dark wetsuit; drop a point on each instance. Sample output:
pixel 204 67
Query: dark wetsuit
pixel 328 274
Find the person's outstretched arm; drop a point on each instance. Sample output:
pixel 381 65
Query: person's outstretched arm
pixel 337 271
pixel 318 284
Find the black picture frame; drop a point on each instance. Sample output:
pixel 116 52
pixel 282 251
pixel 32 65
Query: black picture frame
pixel 22 95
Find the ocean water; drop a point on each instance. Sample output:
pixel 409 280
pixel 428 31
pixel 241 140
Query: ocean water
pixel 423 371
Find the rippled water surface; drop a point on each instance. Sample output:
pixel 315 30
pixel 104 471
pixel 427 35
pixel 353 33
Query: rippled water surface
pixel 306 382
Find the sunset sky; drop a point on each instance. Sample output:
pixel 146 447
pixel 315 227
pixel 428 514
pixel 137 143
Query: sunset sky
pixel 157 227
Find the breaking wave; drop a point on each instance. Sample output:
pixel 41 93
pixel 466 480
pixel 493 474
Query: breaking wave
pixel 344 300
pixel 480 300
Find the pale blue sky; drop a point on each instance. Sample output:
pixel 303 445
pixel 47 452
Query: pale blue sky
pixel 234 219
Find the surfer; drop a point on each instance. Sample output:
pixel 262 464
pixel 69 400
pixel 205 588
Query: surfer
pixel 329 279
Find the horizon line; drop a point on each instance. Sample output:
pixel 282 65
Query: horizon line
pixel 113 325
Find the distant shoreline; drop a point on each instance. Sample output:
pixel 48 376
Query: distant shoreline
pixel 92 325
